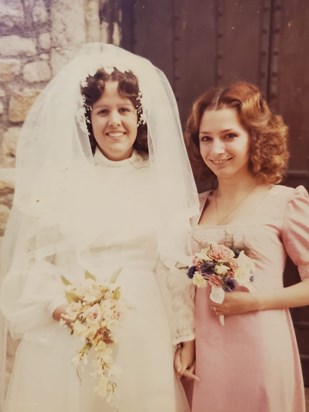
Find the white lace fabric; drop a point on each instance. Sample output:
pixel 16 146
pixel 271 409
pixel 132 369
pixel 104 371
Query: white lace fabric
pixel 178 296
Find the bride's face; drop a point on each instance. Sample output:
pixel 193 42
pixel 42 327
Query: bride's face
pixel 114 123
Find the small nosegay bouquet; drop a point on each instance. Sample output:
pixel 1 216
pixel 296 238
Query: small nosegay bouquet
pixel 93 313
pixel 222 268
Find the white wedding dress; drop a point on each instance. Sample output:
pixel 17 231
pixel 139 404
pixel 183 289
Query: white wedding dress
pixel 159 316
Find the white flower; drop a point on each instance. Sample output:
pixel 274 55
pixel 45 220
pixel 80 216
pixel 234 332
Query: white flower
pixel 203 255
pixel 198 280
pixel 221 269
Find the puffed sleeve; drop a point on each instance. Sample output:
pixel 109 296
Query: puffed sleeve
pixel 295 234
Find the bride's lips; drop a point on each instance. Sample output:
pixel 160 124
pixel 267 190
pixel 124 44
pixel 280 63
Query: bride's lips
pixel 115 135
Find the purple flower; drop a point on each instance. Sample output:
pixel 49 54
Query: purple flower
pixel 229 284
pixel 191 271
pixel 207 268
pixel 237 252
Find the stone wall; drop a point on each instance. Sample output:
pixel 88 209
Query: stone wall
pixel 37 37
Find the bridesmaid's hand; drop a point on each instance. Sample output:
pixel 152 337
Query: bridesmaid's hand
pixel 236 303
pixel 184 360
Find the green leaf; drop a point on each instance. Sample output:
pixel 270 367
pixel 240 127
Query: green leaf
pixel 65 281
pixel 88 275
pixel 115 275
pixel 117 293
pixel 71 297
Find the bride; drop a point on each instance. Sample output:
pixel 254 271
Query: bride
pixel 102 183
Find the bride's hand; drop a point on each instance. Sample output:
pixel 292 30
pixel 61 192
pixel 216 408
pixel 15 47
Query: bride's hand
pixel 184 360
pixel 59 312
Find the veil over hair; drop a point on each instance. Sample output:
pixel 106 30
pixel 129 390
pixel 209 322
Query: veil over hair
pixel 55 170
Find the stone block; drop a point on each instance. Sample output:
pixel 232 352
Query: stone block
pixel 37 72
pixel 20 103
pixel 7 182
pixel 17 46
pixel 4 214
pixel 45 41
pixel 67 31
pixel 92 19
pixel 9 68
pixel 11 13
pixel 39 12
pixel 9 143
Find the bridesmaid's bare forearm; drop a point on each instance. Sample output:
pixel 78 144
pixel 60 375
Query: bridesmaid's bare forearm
pixel 290 297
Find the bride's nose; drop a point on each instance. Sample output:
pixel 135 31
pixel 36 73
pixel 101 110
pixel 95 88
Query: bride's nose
pixel 114 118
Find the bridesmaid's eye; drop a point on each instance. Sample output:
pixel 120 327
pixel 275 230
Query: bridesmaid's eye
pixel 205 138
pixel 230 136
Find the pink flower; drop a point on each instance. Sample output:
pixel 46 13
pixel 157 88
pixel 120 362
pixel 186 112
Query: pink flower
pixel 215 280
pixel 220 253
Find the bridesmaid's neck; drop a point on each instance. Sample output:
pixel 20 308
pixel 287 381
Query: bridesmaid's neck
pixel 231 187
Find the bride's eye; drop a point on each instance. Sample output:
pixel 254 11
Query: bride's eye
pixel 126 109
pixel 103 112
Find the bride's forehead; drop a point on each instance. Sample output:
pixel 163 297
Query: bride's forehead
pixel 111 94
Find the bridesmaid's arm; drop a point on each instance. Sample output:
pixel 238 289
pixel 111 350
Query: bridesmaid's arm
pixel 290 297
pixel 242 302
pixel 295 240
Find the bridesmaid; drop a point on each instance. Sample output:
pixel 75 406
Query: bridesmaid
pixel 252 362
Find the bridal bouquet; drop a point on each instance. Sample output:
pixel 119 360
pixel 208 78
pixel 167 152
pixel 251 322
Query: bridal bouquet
pixel 93 313
pixel 224 269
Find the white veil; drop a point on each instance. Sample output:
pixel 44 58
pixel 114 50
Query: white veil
pixel 55 165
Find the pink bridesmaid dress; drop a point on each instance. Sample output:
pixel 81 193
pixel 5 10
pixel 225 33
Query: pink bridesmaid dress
pixel 251 364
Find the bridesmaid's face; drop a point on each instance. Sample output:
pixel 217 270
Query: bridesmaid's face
pixel 114 123
pixel 224 143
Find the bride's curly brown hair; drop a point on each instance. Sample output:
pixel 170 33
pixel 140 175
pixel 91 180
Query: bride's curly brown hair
pixel 268 152
pixel 92 90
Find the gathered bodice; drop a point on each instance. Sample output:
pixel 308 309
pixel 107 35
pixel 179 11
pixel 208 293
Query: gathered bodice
pixel 276 228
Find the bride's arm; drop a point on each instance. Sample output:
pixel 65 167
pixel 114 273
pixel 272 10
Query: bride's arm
pixel 32 288
pixel 178 297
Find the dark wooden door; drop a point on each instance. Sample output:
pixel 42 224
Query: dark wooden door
pixel 201 43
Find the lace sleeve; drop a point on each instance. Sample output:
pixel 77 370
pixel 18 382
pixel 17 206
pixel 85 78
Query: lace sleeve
pixel 178 296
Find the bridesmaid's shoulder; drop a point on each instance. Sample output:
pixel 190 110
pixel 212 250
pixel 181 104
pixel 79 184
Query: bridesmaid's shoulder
pixel 287 190
pixel 289 193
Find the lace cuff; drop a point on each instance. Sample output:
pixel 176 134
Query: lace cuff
pixel 178 296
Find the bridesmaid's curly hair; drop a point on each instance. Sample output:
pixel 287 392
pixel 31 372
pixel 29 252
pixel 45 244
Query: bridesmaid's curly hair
pixel 127 87
pixel 268 152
